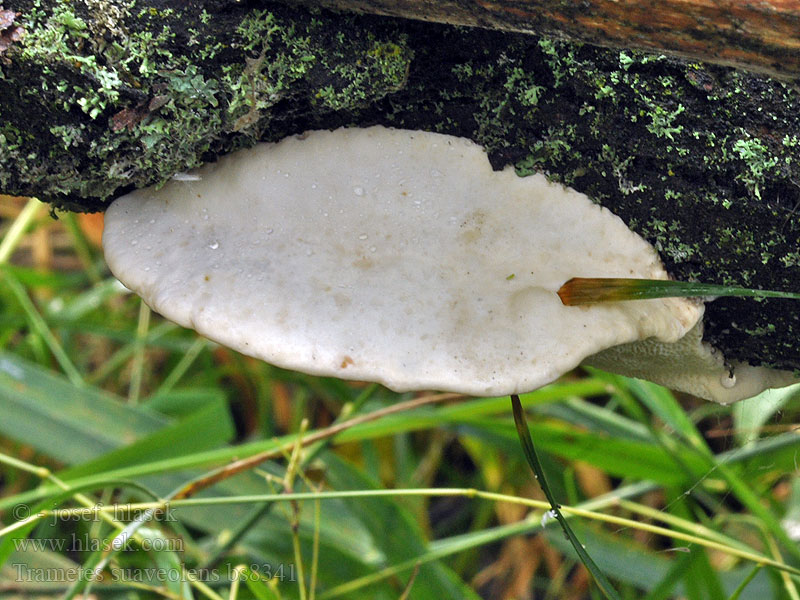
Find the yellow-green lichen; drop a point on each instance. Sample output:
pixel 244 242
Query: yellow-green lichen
pixel 162 87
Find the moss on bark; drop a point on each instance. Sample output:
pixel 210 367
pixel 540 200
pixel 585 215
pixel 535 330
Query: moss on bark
pixel 702 161
pixel 99 98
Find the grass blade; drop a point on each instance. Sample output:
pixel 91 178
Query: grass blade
pixel 533 460
pixel 589 290
pixel 38 324
pixel 18 228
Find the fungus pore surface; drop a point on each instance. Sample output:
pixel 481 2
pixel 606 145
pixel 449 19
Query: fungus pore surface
pixel 387 255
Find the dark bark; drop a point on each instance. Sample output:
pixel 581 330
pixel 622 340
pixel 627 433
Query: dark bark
pixel 700 160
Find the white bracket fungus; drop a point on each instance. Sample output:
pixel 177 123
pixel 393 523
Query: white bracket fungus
pixel 391 256
pixel 690 365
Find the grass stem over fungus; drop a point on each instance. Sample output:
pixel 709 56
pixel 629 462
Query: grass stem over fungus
pixel 591 290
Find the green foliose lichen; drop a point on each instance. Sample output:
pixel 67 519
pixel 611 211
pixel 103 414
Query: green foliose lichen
pixel 383 64
pixel 159 90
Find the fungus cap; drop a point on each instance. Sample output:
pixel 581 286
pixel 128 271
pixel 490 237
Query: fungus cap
pixel 387 255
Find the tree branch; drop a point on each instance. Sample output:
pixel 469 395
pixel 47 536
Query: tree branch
pixel 758 35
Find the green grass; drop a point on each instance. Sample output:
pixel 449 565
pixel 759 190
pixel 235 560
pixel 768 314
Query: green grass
pixel 230 478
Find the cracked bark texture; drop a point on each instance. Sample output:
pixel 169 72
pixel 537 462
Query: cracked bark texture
pixel 99 97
